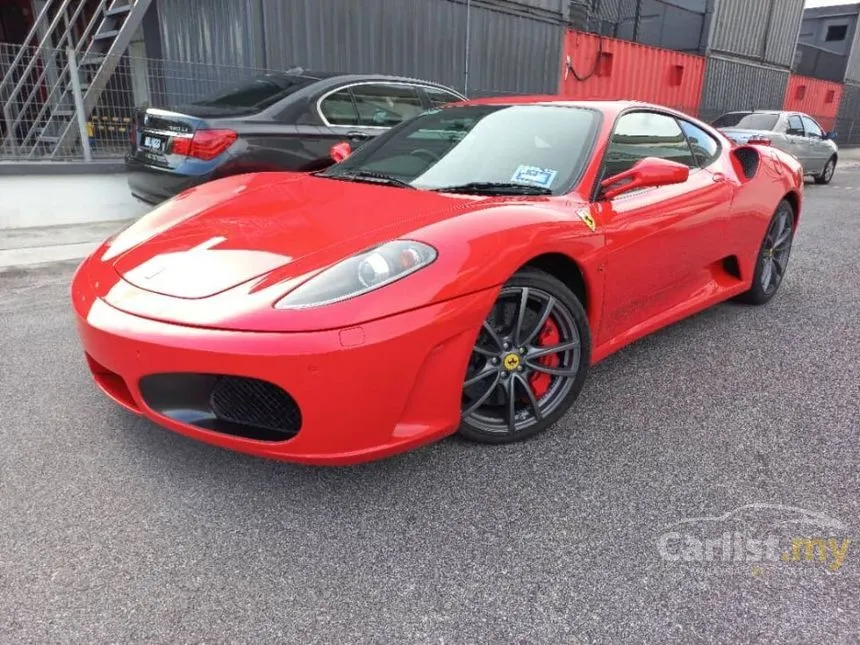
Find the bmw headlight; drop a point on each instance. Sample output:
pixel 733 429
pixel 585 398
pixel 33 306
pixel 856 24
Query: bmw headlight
pixel 359 274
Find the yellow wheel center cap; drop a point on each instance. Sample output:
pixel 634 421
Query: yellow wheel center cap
pixel 512 362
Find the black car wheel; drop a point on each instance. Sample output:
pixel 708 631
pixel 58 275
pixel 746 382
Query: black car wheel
pixel 827 174
pixel 773 256
pixel 529 362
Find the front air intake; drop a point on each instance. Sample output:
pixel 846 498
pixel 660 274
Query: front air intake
pixel 235 405
pixel 254 402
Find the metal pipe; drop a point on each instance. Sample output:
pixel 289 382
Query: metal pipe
pixel 79 105
pixel 637 17
pixel 468 47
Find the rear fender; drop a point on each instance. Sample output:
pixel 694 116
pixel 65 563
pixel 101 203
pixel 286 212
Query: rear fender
pixel 766 176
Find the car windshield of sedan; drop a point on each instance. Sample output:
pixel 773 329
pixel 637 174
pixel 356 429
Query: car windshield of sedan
pixel 480 149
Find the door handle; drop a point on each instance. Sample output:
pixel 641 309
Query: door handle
pixel 718 176
pixel 356 134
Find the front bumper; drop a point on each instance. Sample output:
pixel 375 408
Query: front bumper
pixel 364 392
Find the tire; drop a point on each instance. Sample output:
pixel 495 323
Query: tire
pixel 552 317
pixel 827 173
pixel 772 258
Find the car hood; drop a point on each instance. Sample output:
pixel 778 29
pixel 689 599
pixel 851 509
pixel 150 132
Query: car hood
pixel 231 231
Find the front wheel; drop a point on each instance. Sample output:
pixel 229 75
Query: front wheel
pixel 529 361
pixel 772 259
pixel 827 173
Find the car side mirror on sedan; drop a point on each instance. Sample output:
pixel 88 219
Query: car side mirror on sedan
pixel 646 173
pixel 830 136
pixel 340 151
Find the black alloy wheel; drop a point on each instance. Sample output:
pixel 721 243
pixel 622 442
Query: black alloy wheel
pixel 529 361
pixel 827 173
pixel 773 256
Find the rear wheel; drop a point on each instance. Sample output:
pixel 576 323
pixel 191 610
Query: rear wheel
pixel 772 260
pixel 827 173
pixel 529 362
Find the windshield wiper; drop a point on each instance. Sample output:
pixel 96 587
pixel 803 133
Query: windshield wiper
pixel 494 188
pixel 371 176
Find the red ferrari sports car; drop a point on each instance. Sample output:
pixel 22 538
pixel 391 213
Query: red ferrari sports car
pixel 460 273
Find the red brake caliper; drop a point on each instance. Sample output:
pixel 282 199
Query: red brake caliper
pixel 548 336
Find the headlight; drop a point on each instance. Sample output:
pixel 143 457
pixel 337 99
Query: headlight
pixel 359 274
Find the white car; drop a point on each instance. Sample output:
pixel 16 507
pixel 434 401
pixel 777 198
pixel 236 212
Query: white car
pixel 794 132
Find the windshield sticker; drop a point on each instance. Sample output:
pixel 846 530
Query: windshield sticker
pixel 534 176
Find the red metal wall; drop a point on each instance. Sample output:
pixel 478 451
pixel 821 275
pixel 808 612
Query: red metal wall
pixel 617 69
pixel 817 98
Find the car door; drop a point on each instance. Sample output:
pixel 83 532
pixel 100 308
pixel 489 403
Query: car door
pixel 663 243
pixel 819 151
pixel 797 141
pixel 340 121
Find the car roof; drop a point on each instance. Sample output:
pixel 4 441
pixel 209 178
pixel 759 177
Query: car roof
pixel 611 107
pixel 764 112
pixel 340 77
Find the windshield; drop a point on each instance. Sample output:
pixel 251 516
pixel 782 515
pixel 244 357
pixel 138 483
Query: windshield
pixel 481 148
pixel 747 121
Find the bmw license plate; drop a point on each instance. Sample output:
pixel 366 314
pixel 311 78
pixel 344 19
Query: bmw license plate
pixel 153 143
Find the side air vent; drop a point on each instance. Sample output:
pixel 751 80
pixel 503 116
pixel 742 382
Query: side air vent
pixel 746 160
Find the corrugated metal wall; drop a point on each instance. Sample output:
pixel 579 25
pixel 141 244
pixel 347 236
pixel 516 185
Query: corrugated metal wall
pixel 618 69
pixel 737 85
pixel 848 119
pixel 509 54
pixel 513 46
pixel 764 30
pixel 423 39
pixel 819 63
pixel 817 98
pixel 221 32
pixel 782 32
pixel 201 46
pixel 852 69
pixel 671 24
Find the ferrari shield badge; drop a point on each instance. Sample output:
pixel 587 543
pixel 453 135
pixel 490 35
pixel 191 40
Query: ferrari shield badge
pixel 585 215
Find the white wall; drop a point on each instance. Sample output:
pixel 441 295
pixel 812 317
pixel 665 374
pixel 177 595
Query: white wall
pixel 55 200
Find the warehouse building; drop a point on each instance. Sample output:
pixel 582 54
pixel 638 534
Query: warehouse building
pixel 705 57
pixel 828 48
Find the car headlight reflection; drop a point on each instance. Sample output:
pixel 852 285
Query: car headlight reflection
pixel 360 274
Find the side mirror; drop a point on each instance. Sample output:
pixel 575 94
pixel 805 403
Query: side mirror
pixel 340 151
pixel 646 173
pixel 830 136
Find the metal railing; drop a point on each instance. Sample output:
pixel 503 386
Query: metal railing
pixel 104 130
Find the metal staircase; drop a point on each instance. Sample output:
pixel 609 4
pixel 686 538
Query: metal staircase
pixel 61 70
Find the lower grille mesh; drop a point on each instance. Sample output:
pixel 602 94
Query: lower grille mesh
pixel 249 401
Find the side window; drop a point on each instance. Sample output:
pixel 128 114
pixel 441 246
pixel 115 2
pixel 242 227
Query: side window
pixel 386 105
pixel 795 126
pixel 646 134
pixel 338 108
pixel 812 129
pixel 439 97
pixel 705 148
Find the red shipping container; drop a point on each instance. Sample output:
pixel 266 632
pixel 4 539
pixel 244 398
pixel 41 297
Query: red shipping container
pixel 597 67
pixel 819 99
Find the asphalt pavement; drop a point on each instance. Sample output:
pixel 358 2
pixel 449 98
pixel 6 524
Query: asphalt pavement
pixel 113 530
